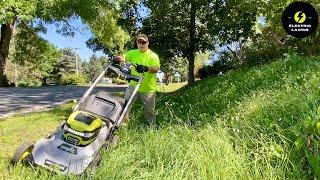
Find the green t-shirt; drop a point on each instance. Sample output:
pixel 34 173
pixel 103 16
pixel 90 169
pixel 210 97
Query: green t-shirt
pixel 148 59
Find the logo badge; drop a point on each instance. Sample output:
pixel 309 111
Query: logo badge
pixel 52 164
pixel 300 19
pixel 68 148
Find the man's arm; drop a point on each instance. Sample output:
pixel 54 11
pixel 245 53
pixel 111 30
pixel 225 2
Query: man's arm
pixel 153 69
pixel 155 65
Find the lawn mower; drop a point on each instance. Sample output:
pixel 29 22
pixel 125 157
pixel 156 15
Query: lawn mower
pixel 75 146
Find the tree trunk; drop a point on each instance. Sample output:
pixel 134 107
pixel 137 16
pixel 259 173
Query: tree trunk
pixel 15 75
pixel 166 78
pixel 6 34
pixel 192 32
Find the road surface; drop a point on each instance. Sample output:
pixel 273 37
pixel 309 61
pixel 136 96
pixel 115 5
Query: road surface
pixel 24 100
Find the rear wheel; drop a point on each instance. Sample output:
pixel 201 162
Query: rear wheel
pixel 22 153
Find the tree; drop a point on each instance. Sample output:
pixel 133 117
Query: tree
pixel 95 67
pixel 31 59
pixel 272 41
pixel 8 19
pixel 67 63
pixel 272 11
pixel 129 19
pixel 176 65
pixel 100 15
pixel 185 27
pixel 104 61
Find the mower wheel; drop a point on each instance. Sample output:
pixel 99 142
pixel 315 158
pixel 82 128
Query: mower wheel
pixel 22 153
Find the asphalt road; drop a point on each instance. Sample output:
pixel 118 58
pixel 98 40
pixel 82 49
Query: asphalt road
pixel 24 100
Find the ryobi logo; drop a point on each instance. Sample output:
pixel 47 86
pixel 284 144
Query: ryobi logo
pixel 54 165
pixel 68 148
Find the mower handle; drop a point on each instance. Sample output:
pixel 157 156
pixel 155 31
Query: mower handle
pixel 115 70
pixel 127 76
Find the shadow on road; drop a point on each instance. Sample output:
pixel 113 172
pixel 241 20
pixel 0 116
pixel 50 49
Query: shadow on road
pixel 22 100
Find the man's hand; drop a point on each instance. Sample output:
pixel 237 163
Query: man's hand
pixel 118 59
pixel 142 68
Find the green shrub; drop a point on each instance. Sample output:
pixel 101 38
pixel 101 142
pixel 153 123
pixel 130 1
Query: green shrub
pixel 265 48
pixel 262 51
pixel 221 66
pixel 73 79
pixel 308 46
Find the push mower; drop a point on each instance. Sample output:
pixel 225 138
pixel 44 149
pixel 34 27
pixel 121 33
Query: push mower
pixel 75 146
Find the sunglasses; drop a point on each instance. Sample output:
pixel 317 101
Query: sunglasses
pixel 142 42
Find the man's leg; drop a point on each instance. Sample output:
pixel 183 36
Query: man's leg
pixel 149 101
pixel 127 96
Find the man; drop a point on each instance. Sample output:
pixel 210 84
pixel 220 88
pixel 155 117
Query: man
pixel 148 64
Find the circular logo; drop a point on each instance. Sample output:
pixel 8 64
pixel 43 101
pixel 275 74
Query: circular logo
pixel 300 19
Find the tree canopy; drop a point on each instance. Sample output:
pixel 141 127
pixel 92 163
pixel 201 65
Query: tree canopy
pixel 178 30
pixel 183 27
pixel 100 15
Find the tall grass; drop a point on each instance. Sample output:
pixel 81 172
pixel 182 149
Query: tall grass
pixel 173 153
pixel 257 123
pixel 270 112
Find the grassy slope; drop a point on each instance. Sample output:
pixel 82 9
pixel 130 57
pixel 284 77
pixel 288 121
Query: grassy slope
pixel 170 87
pixel 258 123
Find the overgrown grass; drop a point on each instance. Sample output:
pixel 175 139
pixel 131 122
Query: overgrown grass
pixel 258 123
pixel 163 88
pixel 270 112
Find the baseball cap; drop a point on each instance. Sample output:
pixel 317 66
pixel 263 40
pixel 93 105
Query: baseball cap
pixel 142 37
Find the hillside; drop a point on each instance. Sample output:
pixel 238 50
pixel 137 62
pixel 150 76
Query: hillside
pixel 259 123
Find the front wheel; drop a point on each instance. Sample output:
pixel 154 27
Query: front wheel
pixel 22 153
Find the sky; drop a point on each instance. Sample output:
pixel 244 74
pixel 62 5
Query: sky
pixel 77 42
